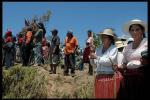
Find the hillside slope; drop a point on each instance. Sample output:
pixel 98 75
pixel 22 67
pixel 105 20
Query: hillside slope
pixel 60 86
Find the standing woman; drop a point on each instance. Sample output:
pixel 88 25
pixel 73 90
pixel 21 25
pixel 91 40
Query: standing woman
pixel 8 49
pixel 38 47
pixel 133 76
pixel 90 38
pixel 54 48
pixel 20 42
pixel 120 46
pixel 105 58
pixel 87 51
pixel 44 49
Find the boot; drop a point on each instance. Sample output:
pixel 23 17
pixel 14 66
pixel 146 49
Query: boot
pixel 90 69
pixel 51 69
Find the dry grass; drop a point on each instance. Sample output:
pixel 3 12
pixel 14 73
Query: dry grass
pixel 24 82
pixel 36 82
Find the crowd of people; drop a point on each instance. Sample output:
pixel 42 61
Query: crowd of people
pixel 120 67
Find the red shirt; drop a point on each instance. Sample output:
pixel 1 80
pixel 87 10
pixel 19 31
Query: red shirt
pixel 43 41
pixel 86 54
pixel 8 39
pixel 20 40
pixel 8 33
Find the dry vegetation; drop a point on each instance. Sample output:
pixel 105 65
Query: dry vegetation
pixel 36 82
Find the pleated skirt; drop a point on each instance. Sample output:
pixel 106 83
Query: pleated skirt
pixel 107 86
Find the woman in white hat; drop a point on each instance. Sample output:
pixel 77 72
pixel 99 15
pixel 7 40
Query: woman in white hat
pixel 131 62
pixel 120 45
pixel 105 58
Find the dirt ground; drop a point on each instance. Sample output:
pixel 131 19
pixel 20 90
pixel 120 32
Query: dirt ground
pixel 60 86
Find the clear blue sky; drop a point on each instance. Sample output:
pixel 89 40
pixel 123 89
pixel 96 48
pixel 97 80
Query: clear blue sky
pixel 78 16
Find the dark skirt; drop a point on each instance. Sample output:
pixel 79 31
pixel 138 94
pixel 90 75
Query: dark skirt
pixel 106 86
pixel 132 85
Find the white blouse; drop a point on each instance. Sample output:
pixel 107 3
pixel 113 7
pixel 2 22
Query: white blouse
pixel 120 59
pixel 90 40
pixel 132 56
pixel 105 60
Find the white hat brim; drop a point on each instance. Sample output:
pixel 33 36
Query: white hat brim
pixel 127 25
pixel 121 46
pixel 107 34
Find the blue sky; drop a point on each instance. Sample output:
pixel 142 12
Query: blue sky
pixel 78 16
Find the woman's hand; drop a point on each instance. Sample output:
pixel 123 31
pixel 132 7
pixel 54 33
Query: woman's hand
pixel 115 67
pixel 121 69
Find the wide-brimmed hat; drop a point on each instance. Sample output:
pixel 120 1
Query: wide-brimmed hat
pixel 109 32
pixel 134 21
pixel 120 44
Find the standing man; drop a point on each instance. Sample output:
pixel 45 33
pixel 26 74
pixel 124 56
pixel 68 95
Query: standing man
pixel 55 42
pixel 71 45
pixel 26 49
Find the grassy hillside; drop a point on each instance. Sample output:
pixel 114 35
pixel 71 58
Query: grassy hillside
pixel 36 82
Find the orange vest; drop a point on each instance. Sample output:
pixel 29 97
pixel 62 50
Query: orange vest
pixel 70 45
pixel 28 37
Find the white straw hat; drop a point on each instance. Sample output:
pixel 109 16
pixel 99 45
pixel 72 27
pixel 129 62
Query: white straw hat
pixel 108 32
pixel 135 21
pixel 120 44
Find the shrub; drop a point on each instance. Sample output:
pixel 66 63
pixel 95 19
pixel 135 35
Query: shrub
pixel 84 91
pixel 23 82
